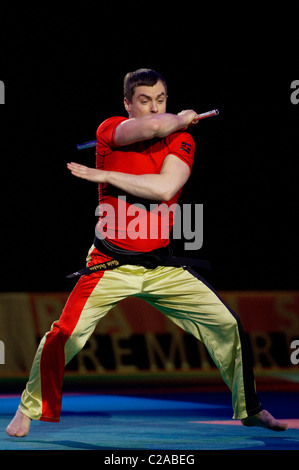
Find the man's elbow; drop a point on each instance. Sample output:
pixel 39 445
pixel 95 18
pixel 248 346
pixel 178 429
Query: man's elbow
pixel 152 128
pixel 166 194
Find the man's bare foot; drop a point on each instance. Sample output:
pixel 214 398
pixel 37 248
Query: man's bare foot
pixel 265 420
pixel 19 426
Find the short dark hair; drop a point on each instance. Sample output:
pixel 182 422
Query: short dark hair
pixel 141 77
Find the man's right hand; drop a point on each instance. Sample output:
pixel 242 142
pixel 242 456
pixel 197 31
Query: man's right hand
pixel 189 118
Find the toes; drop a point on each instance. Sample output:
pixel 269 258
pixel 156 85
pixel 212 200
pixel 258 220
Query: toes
pixel 265 420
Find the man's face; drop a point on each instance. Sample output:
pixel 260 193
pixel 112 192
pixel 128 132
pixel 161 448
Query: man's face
pixel 147 100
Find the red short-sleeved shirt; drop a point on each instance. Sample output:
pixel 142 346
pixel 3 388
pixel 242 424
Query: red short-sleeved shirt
pixel 127 221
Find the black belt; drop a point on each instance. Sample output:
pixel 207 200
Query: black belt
pixel 150 260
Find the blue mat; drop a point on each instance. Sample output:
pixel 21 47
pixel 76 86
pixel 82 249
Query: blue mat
pixel 180 422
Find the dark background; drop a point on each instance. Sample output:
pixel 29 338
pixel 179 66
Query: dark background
pixel 63 72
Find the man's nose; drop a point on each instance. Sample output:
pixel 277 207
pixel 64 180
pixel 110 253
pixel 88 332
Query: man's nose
pixel 154 107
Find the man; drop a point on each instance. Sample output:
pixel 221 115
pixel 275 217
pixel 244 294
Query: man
pixel 141 159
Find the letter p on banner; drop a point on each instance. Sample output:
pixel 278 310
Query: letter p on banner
pixel 2 94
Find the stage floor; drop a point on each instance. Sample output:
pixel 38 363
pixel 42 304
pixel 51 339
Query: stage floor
pixel 159 421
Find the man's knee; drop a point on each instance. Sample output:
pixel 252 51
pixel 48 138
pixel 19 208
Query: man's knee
pixel 231 321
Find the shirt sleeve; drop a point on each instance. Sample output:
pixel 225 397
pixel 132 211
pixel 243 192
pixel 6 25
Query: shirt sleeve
pixel 106 132
pixel 182 145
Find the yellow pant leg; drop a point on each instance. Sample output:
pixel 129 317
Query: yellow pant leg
pixel 191 304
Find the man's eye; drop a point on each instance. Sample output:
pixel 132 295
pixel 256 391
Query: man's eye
pixel 144 101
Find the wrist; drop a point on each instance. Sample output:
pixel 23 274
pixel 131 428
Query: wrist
pixel 182 120
pixel 105 176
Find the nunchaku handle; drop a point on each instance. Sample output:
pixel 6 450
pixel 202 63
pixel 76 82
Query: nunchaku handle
pixel 208 114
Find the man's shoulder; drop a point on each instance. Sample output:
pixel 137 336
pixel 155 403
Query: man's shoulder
pixel 106 130
pixel 113 120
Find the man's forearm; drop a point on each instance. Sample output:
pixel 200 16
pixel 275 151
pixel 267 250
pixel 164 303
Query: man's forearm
pixel 166 124
pixel 148 186
pixel 152 125
pixel 159 187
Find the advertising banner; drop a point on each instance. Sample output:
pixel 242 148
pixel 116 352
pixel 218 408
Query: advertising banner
pixel 136 340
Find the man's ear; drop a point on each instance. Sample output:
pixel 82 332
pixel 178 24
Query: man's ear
pixel 127 105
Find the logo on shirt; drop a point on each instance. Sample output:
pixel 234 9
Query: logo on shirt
pixel 186 147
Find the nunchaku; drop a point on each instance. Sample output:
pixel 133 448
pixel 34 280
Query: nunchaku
pixel 208 114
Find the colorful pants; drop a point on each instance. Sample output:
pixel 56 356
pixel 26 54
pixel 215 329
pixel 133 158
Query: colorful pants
pixel 180 294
